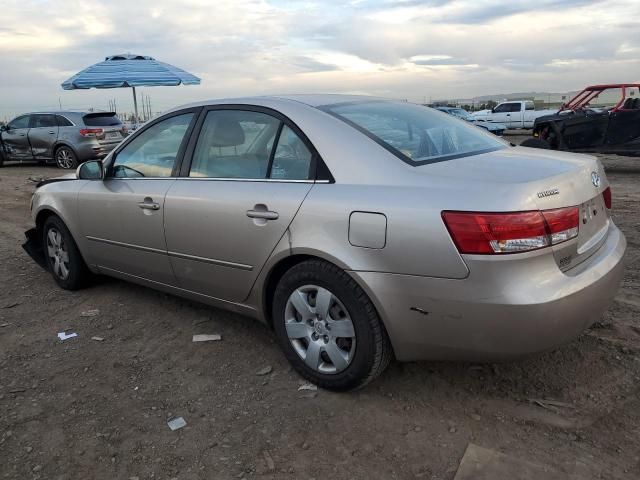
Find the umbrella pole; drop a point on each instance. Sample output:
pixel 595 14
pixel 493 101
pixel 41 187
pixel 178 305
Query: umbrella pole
pixel 135 106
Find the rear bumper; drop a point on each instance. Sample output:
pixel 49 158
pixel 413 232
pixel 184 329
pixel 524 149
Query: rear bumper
pixel 94 150
pixel 504 309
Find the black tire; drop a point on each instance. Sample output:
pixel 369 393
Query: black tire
pixel 65 157
pixel 372 351
pixel 1 156
pixel 536 143
pixel 78 275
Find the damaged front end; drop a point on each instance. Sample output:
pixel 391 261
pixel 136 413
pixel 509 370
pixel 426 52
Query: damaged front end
pixel 34 247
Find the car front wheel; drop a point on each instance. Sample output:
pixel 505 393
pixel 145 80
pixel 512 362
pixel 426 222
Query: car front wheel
pixel 328 328
pixel 62 255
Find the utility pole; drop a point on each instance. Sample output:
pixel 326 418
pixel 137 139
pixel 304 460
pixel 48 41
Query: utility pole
pixel 60 103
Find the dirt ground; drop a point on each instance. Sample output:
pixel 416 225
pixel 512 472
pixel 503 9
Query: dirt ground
pixel 86 409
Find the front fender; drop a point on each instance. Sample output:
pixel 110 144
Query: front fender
pixel 61 198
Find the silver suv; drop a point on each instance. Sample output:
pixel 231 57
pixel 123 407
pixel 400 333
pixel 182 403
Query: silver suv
pixel 66 138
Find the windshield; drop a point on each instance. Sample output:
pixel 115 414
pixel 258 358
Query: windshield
pixel 415 134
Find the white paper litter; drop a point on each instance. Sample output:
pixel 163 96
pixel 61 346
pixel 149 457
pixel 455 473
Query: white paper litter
pixel 90 313
pixel 65 336
pixel 206 338
pixel 176 423
pixel 97 339
pixel 308 386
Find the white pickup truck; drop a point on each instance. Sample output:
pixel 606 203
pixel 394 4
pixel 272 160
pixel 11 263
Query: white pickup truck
pixel 514 114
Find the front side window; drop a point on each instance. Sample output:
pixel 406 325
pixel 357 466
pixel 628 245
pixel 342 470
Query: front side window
pixel 514 107
pixel 154 151
pixel 20 122
pixel 415 134
pixel 42 121
pixel 234 144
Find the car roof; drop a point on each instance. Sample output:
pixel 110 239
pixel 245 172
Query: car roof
pixel 66 112
pixel 312 100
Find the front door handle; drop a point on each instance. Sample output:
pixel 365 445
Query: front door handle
pixel 52 132
pixel 263 214
pixel 149 204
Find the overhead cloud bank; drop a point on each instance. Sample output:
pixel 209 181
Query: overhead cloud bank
pixel 404 49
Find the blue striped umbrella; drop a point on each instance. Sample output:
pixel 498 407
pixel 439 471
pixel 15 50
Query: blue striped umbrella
pixel 129 71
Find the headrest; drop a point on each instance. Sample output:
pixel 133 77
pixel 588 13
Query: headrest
pixel 227 133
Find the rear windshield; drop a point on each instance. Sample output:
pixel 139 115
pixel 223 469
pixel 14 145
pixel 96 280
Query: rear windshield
pixel 415 134
pixel 101 120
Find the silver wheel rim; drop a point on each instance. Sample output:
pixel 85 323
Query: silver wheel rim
pixel 320 329
pixel 57 251
pixel 64 158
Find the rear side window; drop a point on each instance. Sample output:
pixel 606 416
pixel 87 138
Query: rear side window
pixel 63 122
pixel 292 159
pixel 529 106
pixel 415 134
pixel 234 144
pixel 41 121
pixel 101 120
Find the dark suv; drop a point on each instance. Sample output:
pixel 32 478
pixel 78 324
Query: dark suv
pixel 66 138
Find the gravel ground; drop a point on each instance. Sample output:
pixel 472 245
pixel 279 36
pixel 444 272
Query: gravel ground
pixel 83 408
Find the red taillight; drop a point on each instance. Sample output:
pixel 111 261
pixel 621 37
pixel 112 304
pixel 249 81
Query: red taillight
pixel 606 195
pixel 492 233
pixel 91 132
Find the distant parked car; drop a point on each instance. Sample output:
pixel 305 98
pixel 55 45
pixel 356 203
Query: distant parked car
pixel 513 114
pixel 66 138
pixel 495 128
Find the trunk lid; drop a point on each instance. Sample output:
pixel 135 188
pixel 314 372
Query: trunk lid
pixel 525 179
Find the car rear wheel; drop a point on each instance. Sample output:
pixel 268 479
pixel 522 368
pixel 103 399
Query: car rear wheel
pixel 62 255
pixel 66 158
pixel 328 328
pixel 535 143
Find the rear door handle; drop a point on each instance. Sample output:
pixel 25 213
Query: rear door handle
pixel 52 132
pixel 264 214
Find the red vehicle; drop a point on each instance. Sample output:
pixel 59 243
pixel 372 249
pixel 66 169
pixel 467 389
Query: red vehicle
pixel 601 118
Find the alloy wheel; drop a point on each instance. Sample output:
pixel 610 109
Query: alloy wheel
pixel 320 329
pixel 58 254
pixel 64 158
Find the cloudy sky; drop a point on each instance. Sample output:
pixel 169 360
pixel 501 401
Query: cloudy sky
pixel 403 49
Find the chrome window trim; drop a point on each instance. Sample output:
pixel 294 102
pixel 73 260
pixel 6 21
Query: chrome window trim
pixel 220 179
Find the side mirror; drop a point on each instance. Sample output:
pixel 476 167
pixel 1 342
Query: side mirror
pixel 4 128
pixel 493 110
pixel 91 170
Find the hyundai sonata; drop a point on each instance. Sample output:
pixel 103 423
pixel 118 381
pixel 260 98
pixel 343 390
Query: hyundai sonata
pixel 358 228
